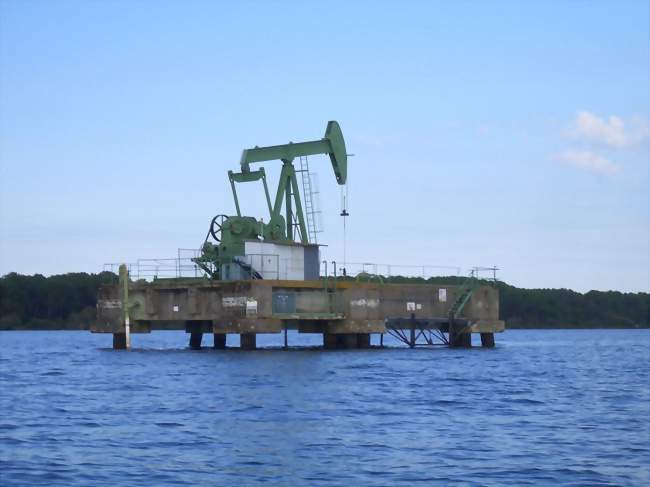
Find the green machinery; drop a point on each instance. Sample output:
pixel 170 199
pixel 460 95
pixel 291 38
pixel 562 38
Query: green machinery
pixel 231 231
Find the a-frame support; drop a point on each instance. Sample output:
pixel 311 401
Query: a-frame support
pixel 289 192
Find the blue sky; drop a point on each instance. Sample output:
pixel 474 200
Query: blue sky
pixel 507 133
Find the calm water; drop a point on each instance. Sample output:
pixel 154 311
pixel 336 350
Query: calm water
pixel 544 407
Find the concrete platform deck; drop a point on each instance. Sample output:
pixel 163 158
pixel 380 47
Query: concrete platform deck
pixel 332 308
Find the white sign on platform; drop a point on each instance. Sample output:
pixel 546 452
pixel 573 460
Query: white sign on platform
pixel 442 295
pixel 233 301
pixel 251 307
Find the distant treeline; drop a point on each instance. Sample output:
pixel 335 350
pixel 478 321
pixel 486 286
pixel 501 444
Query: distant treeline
pixel 68 301
pixel 561 308
pixel 65 301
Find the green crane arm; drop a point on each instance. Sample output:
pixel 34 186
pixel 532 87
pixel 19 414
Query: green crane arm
pixel 332 144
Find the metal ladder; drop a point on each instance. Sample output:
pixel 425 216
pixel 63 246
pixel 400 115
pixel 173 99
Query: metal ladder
pixel 468 289
pixel 310 208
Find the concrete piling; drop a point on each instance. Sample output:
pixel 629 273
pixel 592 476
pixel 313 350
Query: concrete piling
pixel 459 337
pixel 248 341
pixel 219 341
pixel 363 340
pixel 487 340
pixel 195 340
pixel 460 340
pixel 119 341
pixel 196 328
pixel 342 341
pixel 347 340
pixel 329 341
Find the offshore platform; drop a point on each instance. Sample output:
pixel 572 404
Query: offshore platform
pixel 255 276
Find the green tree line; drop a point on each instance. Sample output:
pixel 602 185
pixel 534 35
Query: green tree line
pixel 68 301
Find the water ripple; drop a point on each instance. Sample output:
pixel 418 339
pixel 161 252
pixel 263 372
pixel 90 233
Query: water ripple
pixel 544 407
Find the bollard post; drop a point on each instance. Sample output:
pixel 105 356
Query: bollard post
pixel 122 339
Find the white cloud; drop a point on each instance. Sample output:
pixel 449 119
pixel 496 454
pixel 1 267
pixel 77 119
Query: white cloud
pixel 589 161
pixel 593 133
pixel 592 128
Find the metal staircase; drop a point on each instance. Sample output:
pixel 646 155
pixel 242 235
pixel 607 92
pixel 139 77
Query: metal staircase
pixel 459 332
pixel 248 268
pixel 463 298
pixel 455 328
pixel 311 209
pixel 469 285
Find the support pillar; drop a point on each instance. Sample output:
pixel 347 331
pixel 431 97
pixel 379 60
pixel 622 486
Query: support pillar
pixel 248 341
pixel 220 340
pixel 339 341
pixel 329 341
pixel 348 340
pixel 124 285
pixel 412 337
pixel 363 340
pixel 195 340
pixel 457 339
pixel 487 340
pixel 460 340
pixel 119 341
